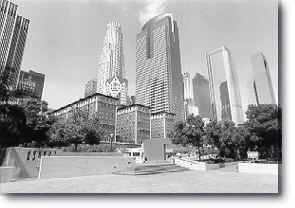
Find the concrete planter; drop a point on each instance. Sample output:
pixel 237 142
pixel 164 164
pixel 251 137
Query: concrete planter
pixel 202 166
pixel 258 168
pixel 6 174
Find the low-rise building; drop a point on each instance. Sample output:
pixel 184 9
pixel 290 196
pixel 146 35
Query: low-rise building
pixel 162 124
pixel 133 124
pixel 104 106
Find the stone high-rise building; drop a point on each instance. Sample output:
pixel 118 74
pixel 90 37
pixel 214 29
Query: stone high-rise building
pixel 224 86
pixel 159 82
pixel 162 124
pixel 32 82
pixel 90 87
pixel 103 106
pixel 133 124
pixel 111 70
pixel 261 82
pixel 201 94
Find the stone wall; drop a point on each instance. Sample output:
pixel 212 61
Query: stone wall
pixel 74 166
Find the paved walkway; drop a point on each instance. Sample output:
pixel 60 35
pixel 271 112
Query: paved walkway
pixel 177 182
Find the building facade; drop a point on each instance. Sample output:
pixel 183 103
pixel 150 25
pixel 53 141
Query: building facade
pixel 8 12
pixel 32 82
pixel 133 124
pixel 117 87
pixel 13 35
pixel 101 105
pixel 224 86
pixel 189 104
pixel 201 94
pixel 111 67
pixel 159 81
pixel 162 124
pixel 16 50
pixel 90 87
pixel 261 82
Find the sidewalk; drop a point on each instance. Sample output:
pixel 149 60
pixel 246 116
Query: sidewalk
pixel 175 182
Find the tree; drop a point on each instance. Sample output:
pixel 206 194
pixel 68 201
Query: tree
pixel 12 125
pixel 76 130
pixel 264 126
pixel 231 141
pixel 38 122
pixel 189 133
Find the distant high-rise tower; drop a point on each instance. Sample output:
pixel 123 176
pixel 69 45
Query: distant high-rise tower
pixel 187 85
pixel 224 86
pixel 90 87
pixel 189 104
pixel 261 83
pixel 31 82
pixel 201 94
pixel 16 49
pixel 7 18
pixel 111 65
pixel 159 82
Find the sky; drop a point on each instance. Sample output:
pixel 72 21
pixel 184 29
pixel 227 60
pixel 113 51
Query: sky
pixel 65 38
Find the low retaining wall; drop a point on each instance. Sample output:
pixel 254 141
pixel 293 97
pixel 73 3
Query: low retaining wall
pixel 258 168
pixel 73 166
pixel 195 165
pixel 6 174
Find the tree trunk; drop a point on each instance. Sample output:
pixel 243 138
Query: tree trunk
pixel 76 147
pixel 199 152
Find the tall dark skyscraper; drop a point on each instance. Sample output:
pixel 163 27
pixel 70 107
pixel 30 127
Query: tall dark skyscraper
pixel 13 35
pixel 7 18
pixel 159 82
pixel 31 82
pixel 16 49
pixel 261 82
pixel 201 94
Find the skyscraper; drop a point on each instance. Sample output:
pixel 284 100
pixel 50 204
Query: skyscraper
pixel 201 94
pixel 189 104
pixel 187 85
pixel 7 18
pixel 90 87
pixel 111 73
pixel 16 50
pixel 31 82
pixel 224 86
pixel 261 82
pixel 159 81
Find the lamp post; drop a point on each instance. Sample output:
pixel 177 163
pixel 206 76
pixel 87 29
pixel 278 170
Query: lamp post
pixel 111 141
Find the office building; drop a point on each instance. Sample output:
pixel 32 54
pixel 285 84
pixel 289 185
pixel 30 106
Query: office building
pixel 159 82
pixel 111 69
pixel 224 86
pixel 189 104
pixel 162 124
pixel 8 12
pixel 90 87
pixel 101 105
pixel 16 50
pixel 261 82
pixel 201 94
pixel 32 82
pixel 117 87
pixel 133 124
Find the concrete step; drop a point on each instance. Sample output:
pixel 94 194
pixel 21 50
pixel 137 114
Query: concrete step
pixel 154 169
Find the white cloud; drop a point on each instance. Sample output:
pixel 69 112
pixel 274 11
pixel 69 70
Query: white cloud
pixel 152 8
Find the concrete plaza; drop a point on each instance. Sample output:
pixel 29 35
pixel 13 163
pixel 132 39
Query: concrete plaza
pixel 174 182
